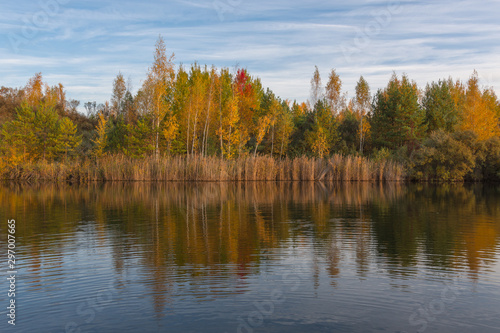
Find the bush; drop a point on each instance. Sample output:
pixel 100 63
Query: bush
pixel 489 165
pixel 381 154
pixel 442 157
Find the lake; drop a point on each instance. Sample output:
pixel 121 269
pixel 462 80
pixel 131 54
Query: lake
pixel 252 257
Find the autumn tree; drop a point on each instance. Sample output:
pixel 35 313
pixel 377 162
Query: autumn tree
pixel 362 108
pixel 159 86
pixel 100 141
pixel 285 128
pixel 263 124
pixel 37 92
pixel 362 99
pixel 129 107
pixel 59 95
pixel 18 141
pixel 68 139
pixel 143 100
pixel 181 95
pixel 198 99
pixel 10 100
pixel 170 131
pixel 316 88
pixel 39 134
pixel 323 134
pixel 226 109
pixel 34 90
pixel 229 130
pixel 118 95
pixel 45 133
pixel 333 93
pixel 250 93
pixel 210 114
pixel 299 110
pixel 271 107
pixel 479 111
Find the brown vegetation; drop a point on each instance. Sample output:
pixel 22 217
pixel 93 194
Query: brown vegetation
pixel 197 168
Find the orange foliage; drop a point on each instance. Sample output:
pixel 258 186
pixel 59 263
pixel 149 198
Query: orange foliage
pixel 479 114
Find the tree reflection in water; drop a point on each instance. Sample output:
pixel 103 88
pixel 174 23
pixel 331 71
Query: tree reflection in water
pixel 211 237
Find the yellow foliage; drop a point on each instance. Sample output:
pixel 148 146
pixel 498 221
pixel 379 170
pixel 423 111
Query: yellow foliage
pixel 37 92
pixel 100 141
pixel 170 130
pixel 366 128
pixel 319 143
pixel 479 115
pixel 12 158
pixel 33 92
pixel 262 128
pixel 158 83
pixel 230 130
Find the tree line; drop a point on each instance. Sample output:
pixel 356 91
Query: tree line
pixel 448 130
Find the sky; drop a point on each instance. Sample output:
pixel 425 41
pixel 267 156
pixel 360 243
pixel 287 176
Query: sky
pixel 85 44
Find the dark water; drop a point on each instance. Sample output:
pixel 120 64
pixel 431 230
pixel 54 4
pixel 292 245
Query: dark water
pixel 253 258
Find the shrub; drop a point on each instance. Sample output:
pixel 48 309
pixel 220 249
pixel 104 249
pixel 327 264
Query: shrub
pixel 442 158
pixel 489 166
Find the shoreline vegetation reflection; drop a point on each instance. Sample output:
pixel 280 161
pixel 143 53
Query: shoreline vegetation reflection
pixel 207 224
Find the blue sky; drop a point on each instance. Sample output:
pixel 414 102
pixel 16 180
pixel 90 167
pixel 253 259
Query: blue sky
pixel 85 44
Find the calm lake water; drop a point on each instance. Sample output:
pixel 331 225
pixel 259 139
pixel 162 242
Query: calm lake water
pixel 258 257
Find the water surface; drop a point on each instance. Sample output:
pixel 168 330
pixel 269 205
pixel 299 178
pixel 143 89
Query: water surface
pixel 255 257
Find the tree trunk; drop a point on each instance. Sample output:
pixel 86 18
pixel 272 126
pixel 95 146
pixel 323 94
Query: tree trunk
pixel 220 120
pixel 361 137
pixel 194 130
pixel 157 129
pixel 272 142
pixel 188 123
pixel 282 142
pixel 205 131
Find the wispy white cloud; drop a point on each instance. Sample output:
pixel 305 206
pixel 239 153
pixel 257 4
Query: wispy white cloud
pixel 84 45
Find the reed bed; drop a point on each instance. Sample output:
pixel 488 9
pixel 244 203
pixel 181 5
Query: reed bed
pixel 198 168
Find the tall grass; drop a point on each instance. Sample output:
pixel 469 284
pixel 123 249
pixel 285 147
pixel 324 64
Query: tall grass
pixel 197 168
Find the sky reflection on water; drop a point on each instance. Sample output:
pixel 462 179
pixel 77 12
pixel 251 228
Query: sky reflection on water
pixel 256 257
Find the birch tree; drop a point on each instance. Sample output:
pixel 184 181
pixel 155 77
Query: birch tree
pixel 118 96
pixel 159 84
pixel 316 88
pixel 333 93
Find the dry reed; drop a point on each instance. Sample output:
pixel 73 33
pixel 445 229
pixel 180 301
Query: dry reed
pixel 197 168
